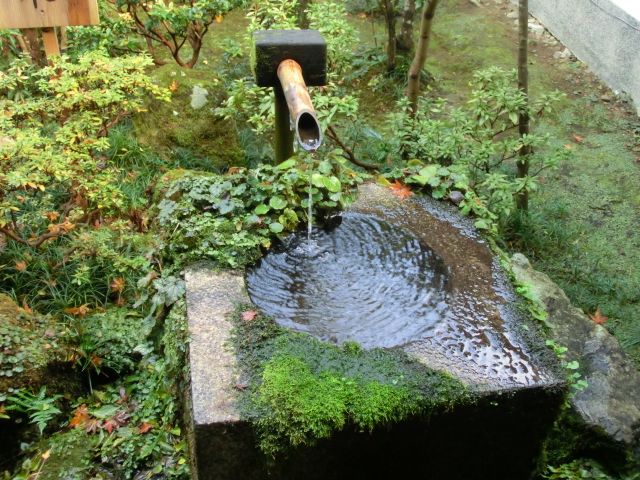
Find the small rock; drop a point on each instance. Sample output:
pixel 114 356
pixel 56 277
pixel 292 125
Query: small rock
pixel 198 97
pixel 536 28
pixel 606 98
pixel 512 14
pixel 456 197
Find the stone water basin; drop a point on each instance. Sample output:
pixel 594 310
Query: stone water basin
pixel 410 274
pixel 400 274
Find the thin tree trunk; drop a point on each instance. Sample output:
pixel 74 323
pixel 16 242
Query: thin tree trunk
pixel 390 18
pixel 35 51
pixel 303 18
pixel 420 57
pixel 64 40
pixel 405 39
pixel 154 54
pixel 523 84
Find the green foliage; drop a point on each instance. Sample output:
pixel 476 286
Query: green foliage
pixel 54 174
pixel 574 377
pixel 26 342
pixel 173 25
pixel 583 469
pixel 112 34
pixel 301 389
pixel 480 139
pixel 113 340
pixel 228 218
pixel 38 407
pixel 148 397
pixel 91 266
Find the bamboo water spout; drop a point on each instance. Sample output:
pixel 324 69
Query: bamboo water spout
pixel 289 61
pixel 304 121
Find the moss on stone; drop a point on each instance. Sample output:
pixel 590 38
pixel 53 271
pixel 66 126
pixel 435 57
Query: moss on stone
pixel 298 390
pixel 197 136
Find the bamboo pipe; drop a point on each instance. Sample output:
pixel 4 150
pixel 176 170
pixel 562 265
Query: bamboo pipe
pixel 303 116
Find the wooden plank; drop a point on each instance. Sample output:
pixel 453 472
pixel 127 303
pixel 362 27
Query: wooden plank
pixel 50 41
pixel 48 13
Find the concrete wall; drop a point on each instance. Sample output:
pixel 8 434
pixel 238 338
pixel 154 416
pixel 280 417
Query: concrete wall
pixel 604 34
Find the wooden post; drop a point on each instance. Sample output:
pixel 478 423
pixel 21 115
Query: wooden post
pixel 50 40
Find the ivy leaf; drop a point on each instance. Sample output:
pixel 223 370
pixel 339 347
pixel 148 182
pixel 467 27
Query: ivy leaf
pixel 276 227
pixel 286 165
pixel 278 203
pixel 332 184
pixel 261 209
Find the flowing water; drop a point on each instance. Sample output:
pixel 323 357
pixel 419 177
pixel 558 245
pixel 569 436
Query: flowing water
pixel 344 284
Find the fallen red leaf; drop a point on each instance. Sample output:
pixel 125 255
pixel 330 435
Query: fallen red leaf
pixel 249 315
pixel 144 428
pixel 598 318
pixel 578 138
pixel 400 190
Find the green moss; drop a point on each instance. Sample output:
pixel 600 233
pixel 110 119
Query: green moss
pixel 196 136
pixel 28 344
pixel 300 390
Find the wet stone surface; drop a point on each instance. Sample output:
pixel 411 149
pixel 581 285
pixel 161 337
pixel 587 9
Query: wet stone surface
pixel 403 273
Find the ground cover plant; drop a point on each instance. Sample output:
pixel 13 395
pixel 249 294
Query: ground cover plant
pixel 99 214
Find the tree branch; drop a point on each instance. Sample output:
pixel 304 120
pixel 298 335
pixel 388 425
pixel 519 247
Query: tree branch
pixel 348 153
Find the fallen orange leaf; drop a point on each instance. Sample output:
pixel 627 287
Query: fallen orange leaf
pixel 80 311
pixel 249 315
pixel 21 266
pixel 174 86
pixel 400 190
pixel 80 417
pixel 144 428
pixel 578 138
pixel 117 285
pixel 598 318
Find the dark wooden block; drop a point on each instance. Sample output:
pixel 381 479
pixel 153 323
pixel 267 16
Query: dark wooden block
pixel 307 47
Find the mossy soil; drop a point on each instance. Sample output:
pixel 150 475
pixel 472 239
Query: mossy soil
pixel 582 230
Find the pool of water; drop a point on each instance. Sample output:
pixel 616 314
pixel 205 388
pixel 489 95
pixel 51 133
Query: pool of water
pixel 362 280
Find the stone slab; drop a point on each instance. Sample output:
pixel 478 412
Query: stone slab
pixel 611 401
pixel 604 34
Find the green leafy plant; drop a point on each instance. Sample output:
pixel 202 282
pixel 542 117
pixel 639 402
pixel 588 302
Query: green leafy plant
pixel 574 377
pixel 174 25
pixel 54 175
pixel 481 139
pixel 38 407
pixel 228 218
pixel 582 469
